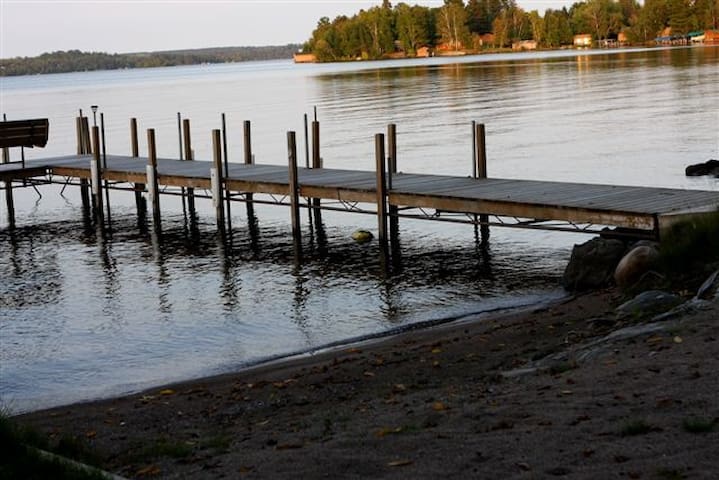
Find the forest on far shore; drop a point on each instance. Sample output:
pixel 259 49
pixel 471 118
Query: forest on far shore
pixel 480 24
pixel 77 61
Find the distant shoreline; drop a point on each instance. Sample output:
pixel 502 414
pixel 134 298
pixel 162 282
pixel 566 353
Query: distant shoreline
pixel 78 61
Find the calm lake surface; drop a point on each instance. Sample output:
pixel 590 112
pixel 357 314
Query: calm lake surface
pixel 83 316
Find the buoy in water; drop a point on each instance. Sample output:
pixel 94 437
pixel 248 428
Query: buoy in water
pixel 362 236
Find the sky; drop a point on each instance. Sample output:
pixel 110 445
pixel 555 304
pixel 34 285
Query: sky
pixel 32 27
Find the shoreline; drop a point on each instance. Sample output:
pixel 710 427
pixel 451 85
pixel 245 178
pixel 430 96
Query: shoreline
pixel 454 400
pixel 366 340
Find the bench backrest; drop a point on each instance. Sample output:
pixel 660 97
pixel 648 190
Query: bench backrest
pixel 24 133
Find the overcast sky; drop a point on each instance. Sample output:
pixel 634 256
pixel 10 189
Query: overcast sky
pixel 31 27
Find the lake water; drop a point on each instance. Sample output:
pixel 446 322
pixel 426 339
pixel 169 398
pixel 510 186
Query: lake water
pixel 84 317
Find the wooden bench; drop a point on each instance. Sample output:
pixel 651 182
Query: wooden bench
pixel 24 133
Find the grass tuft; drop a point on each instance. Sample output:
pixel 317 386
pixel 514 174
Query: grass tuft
pixel 690 244
pixel 19 457
pixel 700 425
pixel 636 427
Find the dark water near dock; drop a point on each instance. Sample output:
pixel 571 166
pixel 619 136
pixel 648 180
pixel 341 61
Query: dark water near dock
pixel 82 316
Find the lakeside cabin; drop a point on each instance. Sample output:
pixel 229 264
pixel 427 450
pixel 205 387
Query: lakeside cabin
pixel 583 40
pixel 300 57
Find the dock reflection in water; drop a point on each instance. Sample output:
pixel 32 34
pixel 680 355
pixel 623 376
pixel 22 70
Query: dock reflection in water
pixel 90 315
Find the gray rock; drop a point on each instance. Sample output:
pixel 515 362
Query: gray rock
pixel 519 372
pixel 710 167
pixel 690 306
pixel 592 264
pixel 710 285
pixel 648 303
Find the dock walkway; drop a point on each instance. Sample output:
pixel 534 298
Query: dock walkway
pixel 529 203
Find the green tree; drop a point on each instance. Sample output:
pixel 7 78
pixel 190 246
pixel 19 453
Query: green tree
pixel 378 22
pixel 651 20
pixel 501 29
pixel 452 24
pixel 557 29
pixel 602 17
pixel 512 24
pixel 481 14
pixel 536 23
pixel 681 17
pixel 413 26
pixel 707 13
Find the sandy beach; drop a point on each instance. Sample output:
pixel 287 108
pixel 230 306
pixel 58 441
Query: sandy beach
pixel 569 390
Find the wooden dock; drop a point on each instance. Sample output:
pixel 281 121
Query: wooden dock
pixel 638 211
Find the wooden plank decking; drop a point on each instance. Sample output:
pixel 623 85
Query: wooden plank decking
pixel 622 206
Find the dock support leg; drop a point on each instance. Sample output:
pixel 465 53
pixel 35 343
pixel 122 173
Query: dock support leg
pixel 391 172
pixel 381 190
pixel 225 175
pixel 294 190
pixel 249 160
pixel 316 163
pixel 85 194
pixel 81 150
pixel 216 181
pixel 96 176
pixel 481 169
pixel 152 186
pixel 8 192
pixel 10 204
pixel 140 203
pixel 189 156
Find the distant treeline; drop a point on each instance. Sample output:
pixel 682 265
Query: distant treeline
pixel 477 24
pixel 77 61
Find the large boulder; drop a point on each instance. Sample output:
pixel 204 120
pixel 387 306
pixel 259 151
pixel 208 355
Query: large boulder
pixel 592 264
pixel 634 265
pixel 710 167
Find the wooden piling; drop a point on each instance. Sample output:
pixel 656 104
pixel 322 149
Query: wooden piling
pixel 84 189
pixel 189 156
pixel 391 171
pixel 225 175
pixel 140 203
pixel 9 201
pixel 381 189
pixel 294 189
pixel 152 184
pixel 316 161
pixel 96 175
pixel 106 182
pixel 481 172
pixel 249 160
pixel 216 183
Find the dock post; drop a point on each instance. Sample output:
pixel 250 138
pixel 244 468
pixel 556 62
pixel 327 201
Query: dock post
pixel 316 163
pixel 10 202
pixel 140 203
pixel 391 171
pixel 225 176
pixel 152 186
pixel 294 189
pixel 307 164
pixel 481 172
pixel 381 190
pixel 316 159
pixel 104 168
pixel 84 189
pixel 249 160
pixel 96 175
pixel 216 180
pixel 189 156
